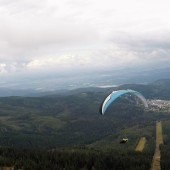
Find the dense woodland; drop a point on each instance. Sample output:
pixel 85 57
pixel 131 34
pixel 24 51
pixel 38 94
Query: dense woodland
pixel 66 120
pixel 67 131
pixel 75 159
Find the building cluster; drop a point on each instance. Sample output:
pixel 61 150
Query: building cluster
pixel 159 104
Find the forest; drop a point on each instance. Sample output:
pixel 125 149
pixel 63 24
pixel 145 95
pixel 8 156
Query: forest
pixel 67 132
pixel 75 159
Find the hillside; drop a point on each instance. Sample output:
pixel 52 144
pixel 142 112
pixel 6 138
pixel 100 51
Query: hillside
pixel 158 89
pixel 60 121
pixel 73 118
pixel 67 130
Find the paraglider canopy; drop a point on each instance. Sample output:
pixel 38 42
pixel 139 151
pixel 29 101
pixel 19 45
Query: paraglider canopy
pixel 116 94
pixel 124 140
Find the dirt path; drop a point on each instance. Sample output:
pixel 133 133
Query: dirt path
pixel 159 140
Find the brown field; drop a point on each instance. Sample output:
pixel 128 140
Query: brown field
pixel 141 144
pixel 159 140
pixel 159 133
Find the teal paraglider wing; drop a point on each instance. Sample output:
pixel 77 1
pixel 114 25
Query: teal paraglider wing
pixel 116 94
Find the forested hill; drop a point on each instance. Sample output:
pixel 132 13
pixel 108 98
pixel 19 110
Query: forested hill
pixel 72 118
pixel 159 89
pixel 70 127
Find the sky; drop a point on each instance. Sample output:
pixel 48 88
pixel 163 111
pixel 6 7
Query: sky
pixel 77 37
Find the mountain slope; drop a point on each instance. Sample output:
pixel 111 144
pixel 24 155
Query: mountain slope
pixel 73 118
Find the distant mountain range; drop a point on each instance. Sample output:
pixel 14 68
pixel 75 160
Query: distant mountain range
pixel 50 82
pixel 156 89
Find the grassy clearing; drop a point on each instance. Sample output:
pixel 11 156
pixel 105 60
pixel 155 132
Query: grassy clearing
pixel 141 144
pixel 51 122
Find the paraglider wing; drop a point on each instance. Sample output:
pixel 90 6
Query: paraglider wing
pixel 124 140
pixel 141 97
pixel 115 94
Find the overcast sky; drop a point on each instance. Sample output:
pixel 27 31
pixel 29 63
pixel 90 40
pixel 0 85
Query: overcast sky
pixel 74 35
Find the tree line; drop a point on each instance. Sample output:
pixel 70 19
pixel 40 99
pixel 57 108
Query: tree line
pixel 75 159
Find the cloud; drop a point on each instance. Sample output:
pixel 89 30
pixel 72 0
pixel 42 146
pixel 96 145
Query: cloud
pixel 81 35
pixel 2 68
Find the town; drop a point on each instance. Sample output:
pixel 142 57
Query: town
pixel 159 105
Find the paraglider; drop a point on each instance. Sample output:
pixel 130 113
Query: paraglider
pixel 116 94
pixel 124 140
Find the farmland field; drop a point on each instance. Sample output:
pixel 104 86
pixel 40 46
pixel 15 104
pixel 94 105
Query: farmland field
pixel 141 144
